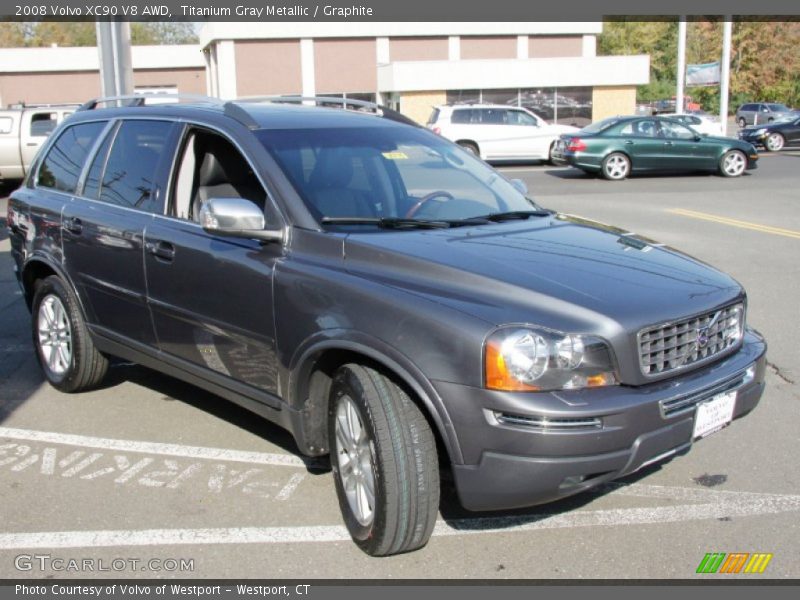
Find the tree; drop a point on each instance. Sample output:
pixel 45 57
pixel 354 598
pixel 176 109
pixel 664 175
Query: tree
pixel 62 33
pixel 656 38
pixel 765 57
pixel 163 33
pixel 11 35
pixel 73 33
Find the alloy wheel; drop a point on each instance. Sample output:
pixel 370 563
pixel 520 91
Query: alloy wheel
pixel 55 334
pixel 733 164
pixel 774 142
pixel 617 167
pixel 356 463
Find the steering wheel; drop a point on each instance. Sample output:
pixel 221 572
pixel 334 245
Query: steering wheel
pixel 421 202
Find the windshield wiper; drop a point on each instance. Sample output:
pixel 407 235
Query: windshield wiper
pixel 516 214
pixel 386 222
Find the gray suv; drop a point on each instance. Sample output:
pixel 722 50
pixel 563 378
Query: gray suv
pixel 760 112
pixel 381 293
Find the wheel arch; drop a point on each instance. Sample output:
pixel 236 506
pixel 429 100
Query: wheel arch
pixel 469 141
pixel 37 268
pixel 310 380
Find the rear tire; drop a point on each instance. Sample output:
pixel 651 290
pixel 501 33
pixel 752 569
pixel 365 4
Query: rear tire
pixel 733 163
pixel 384 462
pixel 616 166
pixel 774 142
pixel 64 348
pixel 470 147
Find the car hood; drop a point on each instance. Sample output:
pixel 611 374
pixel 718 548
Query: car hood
pixel 562 271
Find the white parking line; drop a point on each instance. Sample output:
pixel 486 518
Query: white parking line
pixel 718 505
pixel 194 452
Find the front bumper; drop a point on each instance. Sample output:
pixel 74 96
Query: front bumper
pixel 516 464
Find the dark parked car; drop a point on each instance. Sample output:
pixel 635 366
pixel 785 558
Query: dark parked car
pixel 618 146
pixel 776 135
pixel 381 293
pixel 756 113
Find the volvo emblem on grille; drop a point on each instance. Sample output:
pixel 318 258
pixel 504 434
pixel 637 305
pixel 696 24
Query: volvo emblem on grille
pixel 700 341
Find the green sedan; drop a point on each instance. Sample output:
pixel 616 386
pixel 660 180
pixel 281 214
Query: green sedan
pixel 619 146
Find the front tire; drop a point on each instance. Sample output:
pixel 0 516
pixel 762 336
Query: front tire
pixel 66 353
pixel 616 166
pixel 384 462
pixel 733 163
pixel 774 142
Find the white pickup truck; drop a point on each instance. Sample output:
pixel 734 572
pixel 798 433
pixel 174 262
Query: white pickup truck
pixel 22 131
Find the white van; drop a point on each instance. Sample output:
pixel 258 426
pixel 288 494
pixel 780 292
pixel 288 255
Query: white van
pixel 22 131
pixel 496 132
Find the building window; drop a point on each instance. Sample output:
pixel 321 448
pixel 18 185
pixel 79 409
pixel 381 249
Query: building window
pixel 569 106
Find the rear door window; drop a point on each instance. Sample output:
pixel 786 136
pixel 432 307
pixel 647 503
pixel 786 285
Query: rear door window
pixel 64 162
pixel 494 116
pixel 129 176
pixel 462 116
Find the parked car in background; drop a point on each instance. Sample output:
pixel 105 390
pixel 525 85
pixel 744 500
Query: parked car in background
pixel 701 122
pixel 22 132
pixel 496 132
pixel 774 136
pixel 756 113
pixel 618 146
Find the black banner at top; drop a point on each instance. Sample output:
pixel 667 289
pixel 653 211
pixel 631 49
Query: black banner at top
pixel 382 10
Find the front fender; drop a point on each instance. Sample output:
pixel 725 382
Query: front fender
pixel 310 412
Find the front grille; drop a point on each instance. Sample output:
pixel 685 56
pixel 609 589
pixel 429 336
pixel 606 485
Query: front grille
pixel 677 345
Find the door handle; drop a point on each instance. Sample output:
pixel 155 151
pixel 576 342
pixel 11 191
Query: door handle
pixel 74 225
pixel 668 143
pixel 629 142
pixel 161 249
pixel 32 144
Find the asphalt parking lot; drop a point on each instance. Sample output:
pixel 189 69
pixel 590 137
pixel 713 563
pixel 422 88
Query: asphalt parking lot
pixel 151 468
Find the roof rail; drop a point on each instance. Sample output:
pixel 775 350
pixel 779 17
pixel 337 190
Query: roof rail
pixel 141 100
pixel 379 110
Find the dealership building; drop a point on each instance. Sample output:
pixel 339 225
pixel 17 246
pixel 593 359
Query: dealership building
pixel 551 68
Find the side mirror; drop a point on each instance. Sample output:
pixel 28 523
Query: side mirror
pixel 520 186
pixel 236 217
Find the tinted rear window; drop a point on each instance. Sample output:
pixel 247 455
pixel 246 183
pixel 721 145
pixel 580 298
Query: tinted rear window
pixel 463 115
pixel 434 116
pixel 64 161
pixel 600 125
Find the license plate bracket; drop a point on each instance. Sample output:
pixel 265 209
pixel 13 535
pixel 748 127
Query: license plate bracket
pixel 714 414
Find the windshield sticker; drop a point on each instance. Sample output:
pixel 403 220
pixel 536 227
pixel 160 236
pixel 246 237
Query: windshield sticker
pixel 395 155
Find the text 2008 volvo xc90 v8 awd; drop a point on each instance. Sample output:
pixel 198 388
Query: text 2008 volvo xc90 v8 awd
pixel 381 293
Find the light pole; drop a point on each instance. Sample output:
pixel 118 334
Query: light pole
pixel 114 51
pixel 725 73
pixel 679 101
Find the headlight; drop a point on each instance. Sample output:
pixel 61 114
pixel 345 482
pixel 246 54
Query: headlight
pixel 527 359
pixel 760 132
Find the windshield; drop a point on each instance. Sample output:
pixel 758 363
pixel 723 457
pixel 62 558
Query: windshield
pixel 388 172
pixel 599 125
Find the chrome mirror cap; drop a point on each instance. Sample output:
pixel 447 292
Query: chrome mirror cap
pixel 236 217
